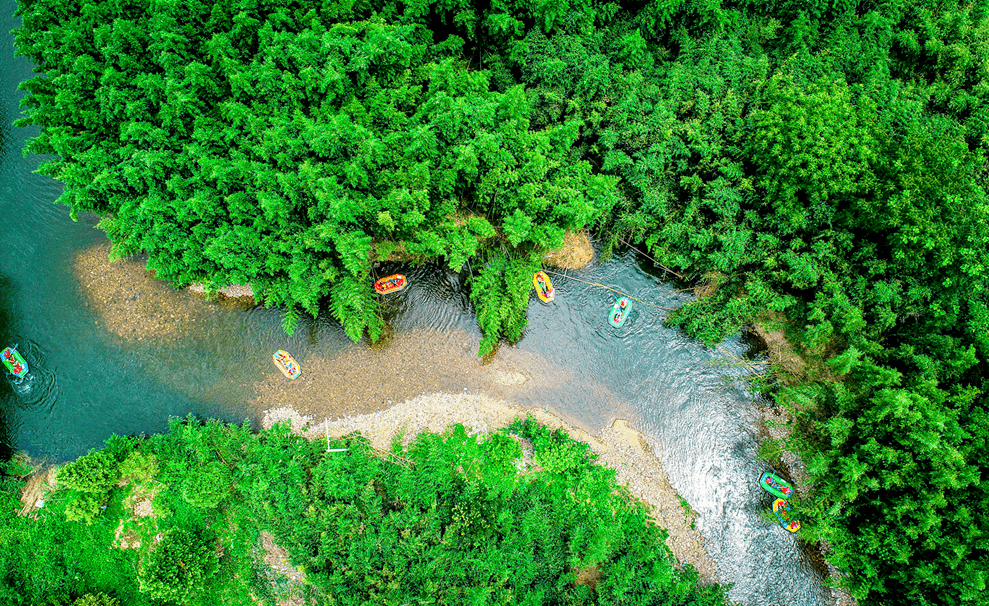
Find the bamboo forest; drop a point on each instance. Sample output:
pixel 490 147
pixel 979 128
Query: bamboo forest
pixel 818 166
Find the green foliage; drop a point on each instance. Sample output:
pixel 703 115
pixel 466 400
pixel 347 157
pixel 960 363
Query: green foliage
pixel 457 499
pixel 84 506
pixel 18 466
pixel 813 150
pixel 94 473
pixel 555 451
pixel 448 518
pixel 54 560
pixel 502 452
pixel 501 294
pixel 207 486
pixel 177 567
pixel 139 467
pixel 770 450
pixel 96 599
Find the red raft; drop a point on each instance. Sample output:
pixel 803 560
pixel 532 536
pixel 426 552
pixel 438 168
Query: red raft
pixel 390 284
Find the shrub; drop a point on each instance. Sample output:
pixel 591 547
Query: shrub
pixel 95 472
pixel 139 466
pixel 179 566
pixel 96 599
pixel 555 451
pixel 84 506
pixel 207 486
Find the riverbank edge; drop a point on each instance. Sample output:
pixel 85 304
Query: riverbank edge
pixel 619 447
pixel 777 426
pixel 577 251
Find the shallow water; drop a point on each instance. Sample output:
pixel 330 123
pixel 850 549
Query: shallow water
pixel 87 383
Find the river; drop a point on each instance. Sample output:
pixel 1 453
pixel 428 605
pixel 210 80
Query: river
pixel 89 381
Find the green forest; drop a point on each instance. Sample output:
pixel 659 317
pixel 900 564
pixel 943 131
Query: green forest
pixel 821 163
pixel 176 518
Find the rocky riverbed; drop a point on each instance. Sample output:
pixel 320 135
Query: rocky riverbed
pixel 135 306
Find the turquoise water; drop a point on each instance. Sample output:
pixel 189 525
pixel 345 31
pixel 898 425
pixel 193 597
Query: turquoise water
pixel 87 384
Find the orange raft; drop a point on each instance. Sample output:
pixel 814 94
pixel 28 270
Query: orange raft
pixel 544 287
pixel 286 363
pixel 390 284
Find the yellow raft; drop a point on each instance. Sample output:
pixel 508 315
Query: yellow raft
pixel 287 364
pixel 544 287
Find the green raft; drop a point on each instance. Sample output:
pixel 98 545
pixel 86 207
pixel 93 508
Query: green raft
pixel 776 485
pixel 14 361
pixel 619 312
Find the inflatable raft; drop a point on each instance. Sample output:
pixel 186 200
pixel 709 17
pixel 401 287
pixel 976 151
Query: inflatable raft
pixel 544 286
pixel 390 284
pixel 287 364
pixel 781 507
pixel 14 361
pixel 776 485
pixel 619 312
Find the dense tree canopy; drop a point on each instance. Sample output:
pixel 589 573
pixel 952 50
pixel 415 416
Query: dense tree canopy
pixel 823 162
pixel 287 147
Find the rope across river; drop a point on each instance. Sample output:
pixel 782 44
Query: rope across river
pixel 569 277
pixel 752 366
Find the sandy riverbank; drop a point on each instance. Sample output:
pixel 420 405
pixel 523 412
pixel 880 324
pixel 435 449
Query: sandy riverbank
pixel 618 446
pixel 363 378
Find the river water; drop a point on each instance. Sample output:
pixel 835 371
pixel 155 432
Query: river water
pixel 86 383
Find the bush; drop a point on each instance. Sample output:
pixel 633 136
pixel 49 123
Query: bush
pixel 139 467
pixel 555 451
pixel 95 472
pixel 207 486
pixel 179 566
pixel 96 599
pixel 84 506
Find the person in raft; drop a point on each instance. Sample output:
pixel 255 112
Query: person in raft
pixel 784 489
pixel 621 303
pixel 542 284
